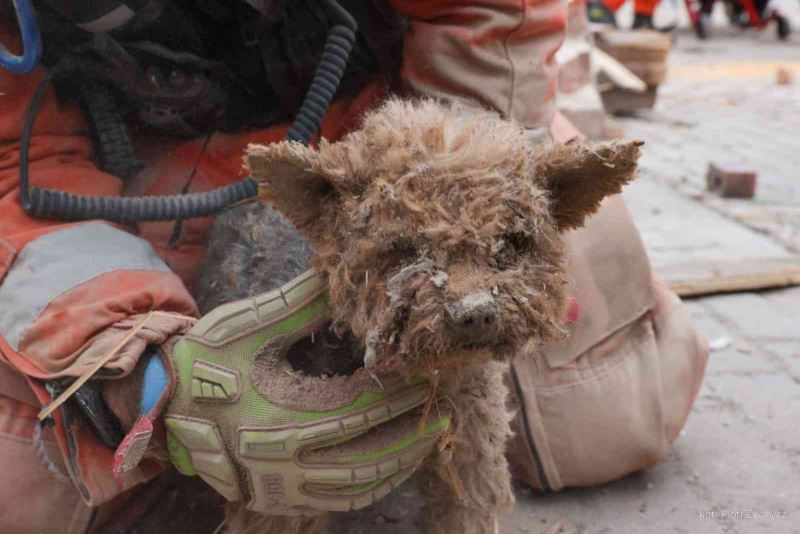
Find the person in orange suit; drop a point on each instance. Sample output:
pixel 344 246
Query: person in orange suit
pixel 69 289
pixel 603 12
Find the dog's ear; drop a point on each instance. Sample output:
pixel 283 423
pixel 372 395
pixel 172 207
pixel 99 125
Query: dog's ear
pixel 291 179
pixel 579 176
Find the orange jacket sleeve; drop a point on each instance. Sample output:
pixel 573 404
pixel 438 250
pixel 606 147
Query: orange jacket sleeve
pixel 500 53
pixel 63 283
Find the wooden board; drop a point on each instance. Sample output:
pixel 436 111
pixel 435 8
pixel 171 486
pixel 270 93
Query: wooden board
pixel 645 45
pixel 725 277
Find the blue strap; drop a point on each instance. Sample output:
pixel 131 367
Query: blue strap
pixel 31 41
pixel 154 382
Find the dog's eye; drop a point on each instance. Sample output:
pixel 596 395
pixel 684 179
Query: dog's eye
pixel 403 248
pixel 518 242
pixel 515 245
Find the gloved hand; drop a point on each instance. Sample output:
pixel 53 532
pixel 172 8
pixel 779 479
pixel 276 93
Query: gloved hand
pixel 254 429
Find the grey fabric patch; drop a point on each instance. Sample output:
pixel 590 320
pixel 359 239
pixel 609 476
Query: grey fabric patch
pixel 53 264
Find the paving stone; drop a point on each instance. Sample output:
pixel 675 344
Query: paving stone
pixel 656 500
pixel 787 300
pixel 678 231
pixel 744 449
pixel 736 354
pixel 755 316
pixel 787 356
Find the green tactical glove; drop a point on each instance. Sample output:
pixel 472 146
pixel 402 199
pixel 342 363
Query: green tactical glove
pixel 256 430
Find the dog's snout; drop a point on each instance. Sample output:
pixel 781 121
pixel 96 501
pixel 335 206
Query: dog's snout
pixel 474 318
pixel 480 319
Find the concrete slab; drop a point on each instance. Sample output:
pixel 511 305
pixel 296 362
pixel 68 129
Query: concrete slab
pixel 755 316
pixel 697 250
pixel 731 352
pixel 743 449
pixel 678 230
pixel 787 300
pixel 636 504
pixel 787 358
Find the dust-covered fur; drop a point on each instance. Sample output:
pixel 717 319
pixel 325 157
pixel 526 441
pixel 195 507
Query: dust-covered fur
pixel 478 397
pixel 247 239
pixel 422 207
pixel 439 236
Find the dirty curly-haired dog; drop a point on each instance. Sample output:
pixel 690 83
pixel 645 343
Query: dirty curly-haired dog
pixel 439 236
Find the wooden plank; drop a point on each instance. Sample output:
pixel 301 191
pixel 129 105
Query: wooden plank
pixel 618 73
pixel 647 45
pixel 693 279
pixel 728 70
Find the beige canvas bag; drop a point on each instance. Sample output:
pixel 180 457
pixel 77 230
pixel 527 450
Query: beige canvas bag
pixel 611 399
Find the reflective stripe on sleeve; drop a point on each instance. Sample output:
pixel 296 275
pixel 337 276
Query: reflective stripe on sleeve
pixel 55 263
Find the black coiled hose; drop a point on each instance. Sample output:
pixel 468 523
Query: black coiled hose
pixel 52 204
pixel 323 86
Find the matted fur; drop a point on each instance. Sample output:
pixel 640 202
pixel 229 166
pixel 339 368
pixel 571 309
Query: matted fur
pixel 421 190
pixel 422 207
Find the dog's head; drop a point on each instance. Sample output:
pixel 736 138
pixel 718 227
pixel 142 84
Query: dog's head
pixel 439 233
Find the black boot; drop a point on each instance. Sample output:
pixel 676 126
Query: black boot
pixel 600 14
pixel 642 22
pixel 703 25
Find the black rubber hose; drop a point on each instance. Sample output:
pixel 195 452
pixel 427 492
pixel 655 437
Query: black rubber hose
pixel 329 73
pixel 323 87
pixel 49 203
pixel 53 204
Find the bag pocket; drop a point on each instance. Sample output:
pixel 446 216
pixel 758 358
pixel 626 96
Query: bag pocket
pixel 595 419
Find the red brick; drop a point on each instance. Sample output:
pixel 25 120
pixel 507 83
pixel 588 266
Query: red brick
pixel 731 181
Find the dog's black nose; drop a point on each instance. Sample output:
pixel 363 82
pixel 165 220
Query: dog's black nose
pixel 474 318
